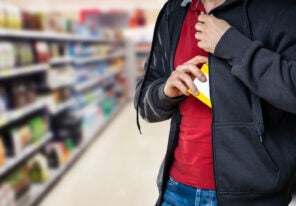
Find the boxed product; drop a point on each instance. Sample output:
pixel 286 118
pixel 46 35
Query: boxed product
pixel 20 137
pixel 38 128
pixel 203 88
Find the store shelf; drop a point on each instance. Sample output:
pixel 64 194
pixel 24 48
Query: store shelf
pixel 85 110
pixel 86 84
pixel 61 107
pixel 4 33
pixel 8 73
pixel 12 162
pixel 61 60
pixel 61 85
pixel 11 116
pixel 38 191
pixel 86 60
pixel 92 82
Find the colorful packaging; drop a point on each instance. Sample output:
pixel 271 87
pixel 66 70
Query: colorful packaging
pixel 203 88
pixel 37 127
pixel 39 171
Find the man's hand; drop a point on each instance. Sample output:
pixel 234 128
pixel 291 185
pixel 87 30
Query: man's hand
pixel 209 31
pixel 182 78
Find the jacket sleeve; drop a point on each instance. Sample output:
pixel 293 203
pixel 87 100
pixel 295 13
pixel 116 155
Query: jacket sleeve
pixel 269 74
pixel 150 100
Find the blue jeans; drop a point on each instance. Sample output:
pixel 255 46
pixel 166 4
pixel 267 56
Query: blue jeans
pixel 177 194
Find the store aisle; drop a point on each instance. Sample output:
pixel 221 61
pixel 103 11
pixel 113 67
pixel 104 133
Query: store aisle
pixel 120 168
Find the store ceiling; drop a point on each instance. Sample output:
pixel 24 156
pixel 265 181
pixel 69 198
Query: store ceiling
pixel 76 5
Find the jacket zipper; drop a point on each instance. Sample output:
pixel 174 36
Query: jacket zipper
pixel 213 120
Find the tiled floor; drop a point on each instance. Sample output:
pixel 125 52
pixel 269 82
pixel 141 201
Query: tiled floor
pixel 119 169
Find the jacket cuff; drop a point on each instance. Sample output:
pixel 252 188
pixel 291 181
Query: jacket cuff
pixel 162 101
pixel 232 46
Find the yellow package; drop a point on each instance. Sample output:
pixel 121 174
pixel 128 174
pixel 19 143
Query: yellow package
pixel 203 87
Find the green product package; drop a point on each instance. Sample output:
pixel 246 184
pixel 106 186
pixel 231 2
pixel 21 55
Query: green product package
pixel 37 128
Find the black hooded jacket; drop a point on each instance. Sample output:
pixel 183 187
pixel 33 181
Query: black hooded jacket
pixel 253 93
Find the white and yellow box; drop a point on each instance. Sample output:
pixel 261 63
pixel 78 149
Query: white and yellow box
pixel 203 87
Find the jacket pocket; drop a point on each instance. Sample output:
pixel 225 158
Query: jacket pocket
pixel 243 163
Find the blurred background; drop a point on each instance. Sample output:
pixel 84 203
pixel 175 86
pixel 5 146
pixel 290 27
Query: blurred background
pixel 68 134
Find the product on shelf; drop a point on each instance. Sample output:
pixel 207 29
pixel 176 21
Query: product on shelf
pixel 60 77
pixel 24 54
pixel 42 52
pixel 38 128
pixel 58 49
pixel 31 91
pixel 3 100
pixel 57 154
pixel 54 154
pixel 19 138
pixel 22 93
pixel 2 15
pixel 39 171
pixel 107 106
pixel 61 95
pixel 18 94
pixel 7 195
pixel 19 180
pixel 70 146
pixel 66 127
pixel 2 152
pixel 66 153
pixel 12 16
pixel 7 55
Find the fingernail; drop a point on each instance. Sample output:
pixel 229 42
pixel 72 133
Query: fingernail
pixel 203 78
pixel 195 93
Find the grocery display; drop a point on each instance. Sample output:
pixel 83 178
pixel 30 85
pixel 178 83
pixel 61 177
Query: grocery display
pixel 60 84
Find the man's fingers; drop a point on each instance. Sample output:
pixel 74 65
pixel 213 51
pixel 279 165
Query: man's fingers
pixel 198 60
pixel 203 18
pixel 191 69
pixel 181 87
pixel 198 35
pixel 186 79
pixel 199 26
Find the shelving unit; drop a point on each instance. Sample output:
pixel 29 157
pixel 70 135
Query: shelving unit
pixel 50 35
pixel 27 70
pixel 46 103
pixel 14 115
pixel 12 162
pixel 85 60
pixel 61 60
pixel 38 191
pixel 61 107
pixel 142 51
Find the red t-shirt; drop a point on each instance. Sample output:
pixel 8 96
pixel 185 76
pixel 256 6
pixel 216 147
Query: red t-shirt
pixel 193 162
